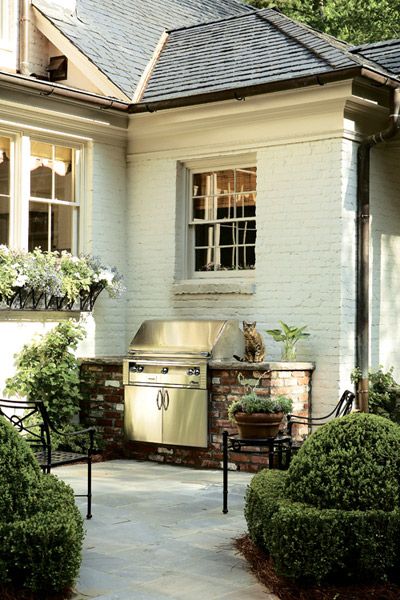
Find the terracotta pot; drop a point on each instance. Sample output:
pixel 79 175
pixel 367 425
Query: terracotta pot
pixel 258 425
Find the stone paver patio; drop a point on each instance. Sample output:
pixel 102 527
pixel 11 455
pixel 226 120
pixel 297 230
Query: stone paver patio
pixel 158 533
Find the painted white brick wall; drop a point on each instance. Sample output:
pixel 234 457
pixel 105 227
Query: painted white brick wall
pixel 106 238
pixel 385 235
pixel 304 217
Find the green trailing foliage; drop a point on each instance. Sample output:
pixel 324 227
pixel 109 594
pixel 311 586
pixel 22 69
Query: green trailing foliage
pixel 47 369
pixel 41 530
pixel 384 393
pixel 354 21
pixel 336 511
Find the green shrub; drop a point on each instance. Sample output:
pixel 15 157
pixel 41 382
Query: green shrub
pixel 383 393
pixel 41 530
pixel 261 501
pixel 351 463
pixel 336 511
pixel 19 473
pixel 308 543
pixel 45 552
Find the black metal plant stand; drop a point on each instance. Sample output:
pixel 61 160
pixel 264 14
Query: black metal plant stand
pixel 279 446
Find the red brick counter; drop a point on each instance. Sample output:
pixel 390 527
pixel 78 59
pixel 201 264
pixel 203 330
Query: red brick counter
pixel 103 407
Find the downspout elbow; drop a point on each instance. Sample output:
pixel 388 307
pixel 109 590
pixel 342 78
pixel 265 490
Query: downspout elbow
pixel 24 25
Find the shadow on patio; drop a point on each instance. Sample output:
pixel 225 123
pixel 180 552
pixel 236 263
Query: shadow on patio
pixel 158 533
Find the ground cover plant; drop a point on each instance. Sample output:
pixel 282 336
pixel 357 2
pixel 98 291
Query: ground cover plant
pixel 41 529
pixel 334 515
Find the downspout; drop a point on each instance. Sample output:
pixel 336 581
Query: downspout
pixel 24 23
pixel 363 246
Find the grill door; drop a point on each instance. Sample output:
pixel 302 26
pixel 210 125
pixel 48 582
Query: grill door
pixel 185 417
pixel 143 413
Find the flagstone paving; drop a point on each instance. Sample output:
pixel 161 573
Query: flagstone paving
pixel 158 533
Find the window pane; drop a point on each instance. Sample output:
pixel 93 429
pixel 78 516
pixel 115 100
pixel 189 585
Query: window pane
pixel 246 205
pixel 62 227
pixel 202 184
pixel 246 257
pixel 246 179
pixel 227 259
pixel 41 169
pixel 38 226
pixel 4 220
pixel 204 235
pixel 225 182
pixel 226 234
pixel 247 232
pixel 63 174
pixel 4 166
pixel 204 259
pixel 225 207
pixel 203 209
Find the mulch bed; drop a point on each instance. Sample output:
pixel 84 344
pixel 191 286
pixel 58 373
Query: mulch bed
pixel 7 593
pixel 262 566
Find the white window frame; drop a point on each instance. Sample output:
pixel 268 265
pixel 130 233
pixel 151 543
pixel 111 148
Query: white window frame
pixel 189 247
pixel 20 154
pixel 7 24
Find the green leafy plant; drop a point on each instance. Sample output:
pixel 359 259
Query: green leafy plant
pixel 47 369
pixel 251 403
pixel 336 512
pixel 384 393
pixel 289 336
pixel 41 529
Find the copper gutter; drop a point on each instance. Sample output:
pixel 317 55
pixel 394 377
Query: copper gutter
pixel 363 246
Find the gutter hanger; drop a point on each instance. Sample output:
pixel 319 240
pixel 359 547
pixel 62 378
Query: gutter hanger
pixel 363 246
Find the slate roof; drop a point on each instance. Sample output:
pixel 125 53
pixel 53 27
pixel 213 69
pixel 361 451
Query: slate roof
pixel 119 37
pixel 386 54
pixel 258 48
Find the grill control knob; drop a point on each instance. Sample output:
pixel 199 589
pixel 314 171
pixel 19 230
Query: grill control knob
pixel 133 369
pixel 197 371
pixel 190 371
pixel 164 370
pixel 139 368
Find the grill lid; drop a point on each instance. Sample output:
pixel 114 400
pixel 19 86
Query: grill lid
pixel 213 338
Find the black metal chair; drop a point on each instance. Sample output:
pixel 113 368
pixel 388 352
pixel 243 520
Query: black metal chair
pixel 32 421
pixel 343 407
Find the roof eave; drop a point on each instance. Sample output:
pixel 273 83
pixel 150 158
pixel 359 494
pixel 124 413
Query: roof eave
pixel 240 93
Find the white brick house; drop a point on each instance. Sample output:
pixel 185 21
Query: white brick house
pixel 144 120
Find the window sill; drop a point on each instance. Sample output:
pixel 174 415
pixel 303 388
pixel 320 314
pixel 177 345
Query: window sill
pixel 213 287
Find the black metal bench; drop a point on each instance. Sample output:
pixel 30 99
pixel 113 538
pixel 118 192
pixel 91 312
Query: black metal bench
pixel 343 407
pixel 32 420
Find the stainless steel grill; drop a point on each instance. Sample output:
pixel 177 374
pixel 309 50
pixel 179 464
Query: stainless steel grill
pixel 165 377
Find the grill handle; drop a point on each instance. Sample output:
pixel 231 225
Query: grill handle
pixel 166 400
pixel 160 399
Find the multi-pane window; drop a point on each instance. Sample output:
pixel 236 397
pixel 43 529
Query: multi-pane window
pixel 222 220
pixel 53 207
pixel 39 203
pixel 4 190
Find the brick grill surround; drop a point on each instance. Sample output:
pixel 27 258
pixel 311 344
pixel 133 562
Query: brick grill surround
pixel 103 407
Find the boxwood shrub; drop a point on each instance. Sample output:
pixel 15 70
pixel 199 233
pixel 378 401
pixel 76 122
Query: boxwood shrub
pixel 349 463
pixel 261 501
pixel 41 529
pixel 336 512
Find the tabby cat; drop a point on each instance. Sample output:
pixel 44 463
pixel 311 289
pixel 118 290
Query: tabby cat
pixel 254 348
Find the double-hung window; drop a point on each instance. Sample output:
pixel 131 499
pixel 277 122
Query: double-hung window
pixel 53 206
pixel 222 220
pixel 39 200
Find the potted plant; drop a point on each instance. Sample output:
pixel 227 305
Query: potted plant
pixel 256 416
pixel 289 335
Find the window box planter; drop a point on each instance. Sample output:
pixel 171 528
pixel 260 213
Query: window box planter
pixel 52 281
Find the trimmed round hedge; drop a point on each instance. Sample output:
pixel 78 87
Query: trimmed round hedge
pixel 336 511
pixel 351 463
pixel 41 529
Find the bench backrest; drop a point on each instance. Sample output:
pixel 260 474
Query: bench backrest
pixel 30 419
